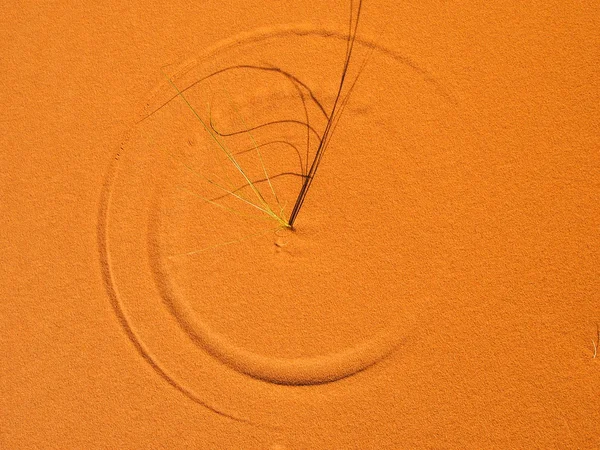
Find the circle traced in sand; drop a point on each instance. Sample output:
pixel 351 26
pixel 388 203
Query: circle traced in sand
pixel 225 304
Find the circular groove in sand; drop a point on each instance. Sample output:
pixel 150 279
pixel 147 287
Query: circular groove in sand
pixel 294 371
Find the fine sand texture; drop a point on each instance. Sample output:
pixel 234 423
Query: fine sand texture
pixel 176 272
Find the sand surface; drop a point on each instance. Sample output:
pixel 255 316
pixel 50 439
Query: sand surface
pixel 441 285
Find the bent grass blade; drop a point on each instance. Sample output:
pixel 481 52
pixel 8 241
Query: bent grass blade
pixel 261 204
pixel 336 111
pixel 256 200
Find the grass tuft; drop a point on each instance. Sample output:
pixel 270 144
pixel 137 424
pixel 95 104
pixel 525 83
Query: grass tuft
pixel 308 163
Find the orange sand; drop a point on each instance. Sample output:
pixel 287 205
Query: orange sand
pixel 441 289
